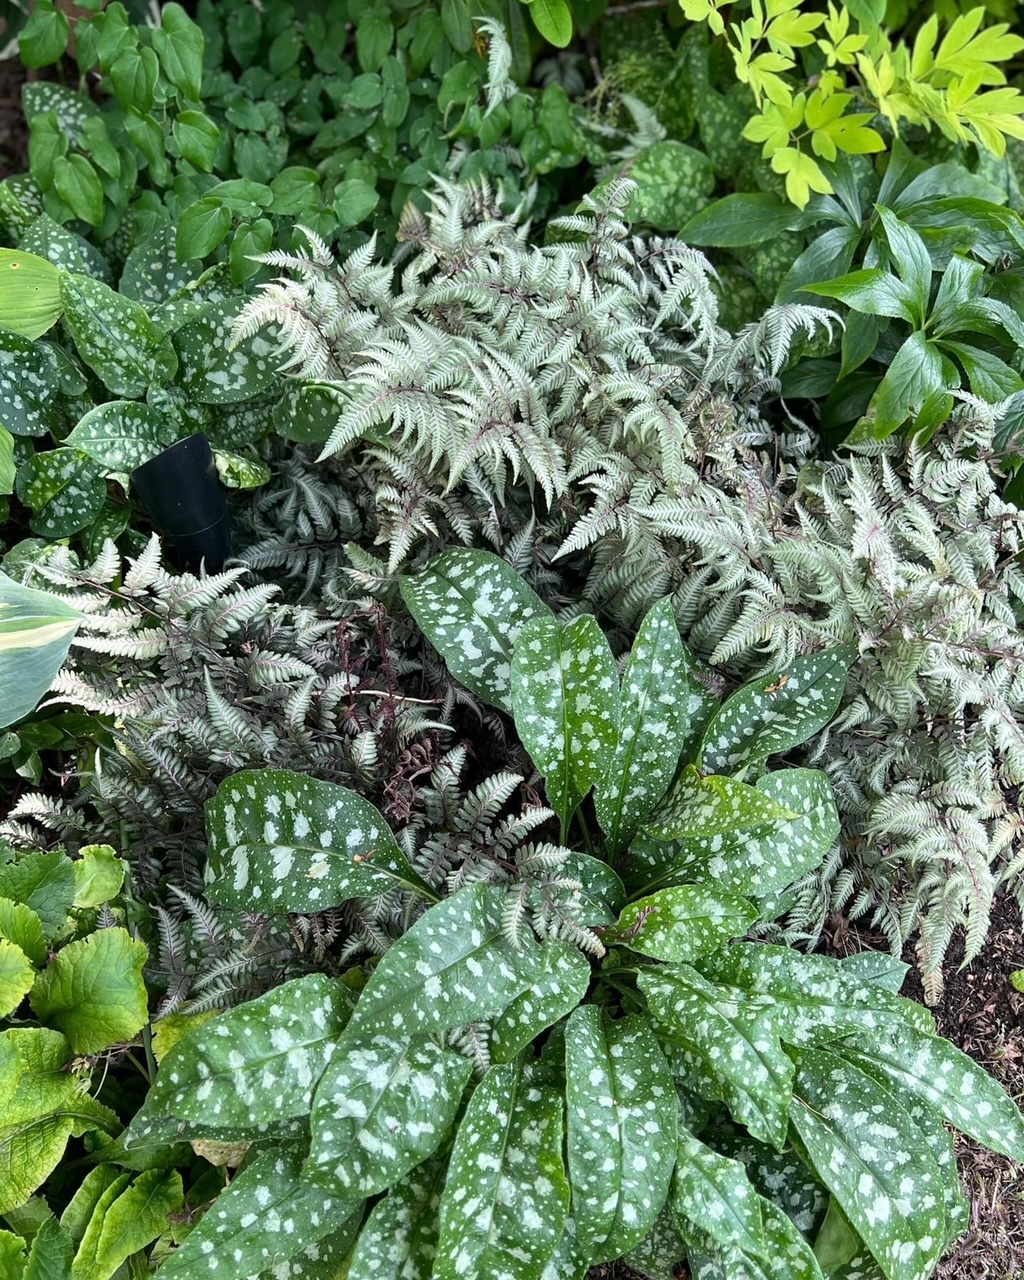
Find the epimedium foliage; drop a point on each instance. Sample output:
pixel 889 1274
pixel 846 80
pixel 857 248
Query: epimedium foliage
pixel 638 1083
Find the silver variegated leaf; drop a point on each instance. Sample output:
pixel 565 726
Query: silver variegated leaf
pixel 733 1040
pixel 258 1063
pixel 873 1158
pixel 121 435
pixel 281 842
pixel 565 695
pixel 775 712
pixel 560 983
pixel 472 606
pixel 267 1216
pixel 212 369
pixel 64 489
pixel 506 1197
pixel 382 1106
pixel 399 1239
pixel 683 923
pixel 455 965
pixel 659 695
pixel 703 806
pixel 621 1117
pixel 152 274
pixel 713 1197
pixel 786 1255
pixel 29 385
pixel 115 337
pixel 662 1250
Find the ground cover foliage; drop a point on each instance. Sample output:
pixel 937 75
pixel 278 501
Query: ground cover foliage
pixel 620 417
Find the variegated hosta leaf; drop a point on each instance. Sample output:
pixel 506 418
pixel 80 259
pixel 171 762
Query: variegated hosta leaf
pixel 758 862
pixel 29 385
pixel 455 965
pixel 565 694
pixel 702 805
pixel 36 630
pixel 950 1082
pixel 506 1197
pixel 732 1038
pixel 776 712
pixel 255 1064
pixel 472 606
pixel 683 923
pixel 559 985
pixel 399 1239
pixel 872 1157
pixel 121 435
pixel 214 371
pixel 621 1119
pixel 659 695
pixel 786 1256
pixel 115 337
pixel 281 842
pixel 382 1107
pixel 266 1216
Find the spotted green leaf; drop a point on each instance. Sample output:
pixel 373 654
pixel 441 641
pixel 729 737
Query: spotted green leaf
pixel 64 489
pixel 733 1044
pixel 308 412
pixel 702 806
pixel 36 630
pixel 757 862
pixel 73 109
pixel 944 1078
pixel 660 1254
pixel 20 924
pixel 558 986
pixel 93 991
pixel 382 1106
pixel 240 471
pixel 684 922
pixel 121 435
pixel 399 1239
pixel 712 1194
pixel 621 1119
pixel 506 1196
pixel 29 385
pixel 152 274
pixel 30 301
pixel 472 607
pixel 16 976
pixel 786 1255
pixel 115 337
pixel 282 842
pixel 565 695
pixel 455 965
pixel 8 467
pixel 255 1064
pixel 873 1158
pixel 673 181
pixel 776 712
pixel 265 1217
pixel 214 369
pixel 659 695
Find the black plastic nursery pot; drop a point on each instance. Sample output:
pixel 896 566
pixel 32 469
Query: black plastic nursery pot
pixel 181 491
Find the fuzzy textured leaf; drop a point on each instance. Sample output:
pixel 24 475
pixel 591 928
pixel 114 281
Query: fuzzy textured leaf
pixel 93 991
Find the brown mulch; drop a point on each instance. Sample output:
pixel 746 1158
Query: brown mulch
pixel 13 129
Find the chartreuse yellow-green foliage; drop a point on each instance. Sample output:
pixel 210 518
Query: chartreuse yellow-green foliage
pixel 826 82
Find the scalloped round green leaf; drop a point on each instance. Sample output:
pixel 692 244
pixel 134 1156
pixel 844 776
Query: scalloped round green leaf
pixel 121 435
pixel 64 489
pixel 29 385
pixel 399 1238
pixel 382 1107
pixel 281 842
pixel 506 1196
pixel 472 607
pixel 30 301
pixel 682 923
pixel 16 976
pixel 621 1121
pixel 115 337
pixel 20 924
pixel 99 875
pixel 214 371
pixel 43 881
pixel 93 991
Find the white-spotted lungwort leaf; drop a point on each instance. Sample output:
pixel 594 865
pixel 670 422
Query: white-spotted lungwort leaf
pixel 64 489
pixel 786 1254
pixel 621 1119
pixel 775 712
pixel 121 435
pixel 265 1217
pixel 281 842
pixel 399 1239
pixel 704 805
pixel 382 1107
pixel 713 1197
pixel 506 1197
pixel 873 1158
pixel 212 369
pixel 115 337
pixel 732 1041
pixel 559 985
pixel 682 923
pixel 29 385
pixel 472 606
pixel 455 965
pixel 758 862
pixel 565 695
pixel 659 697
pixel 255 1064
